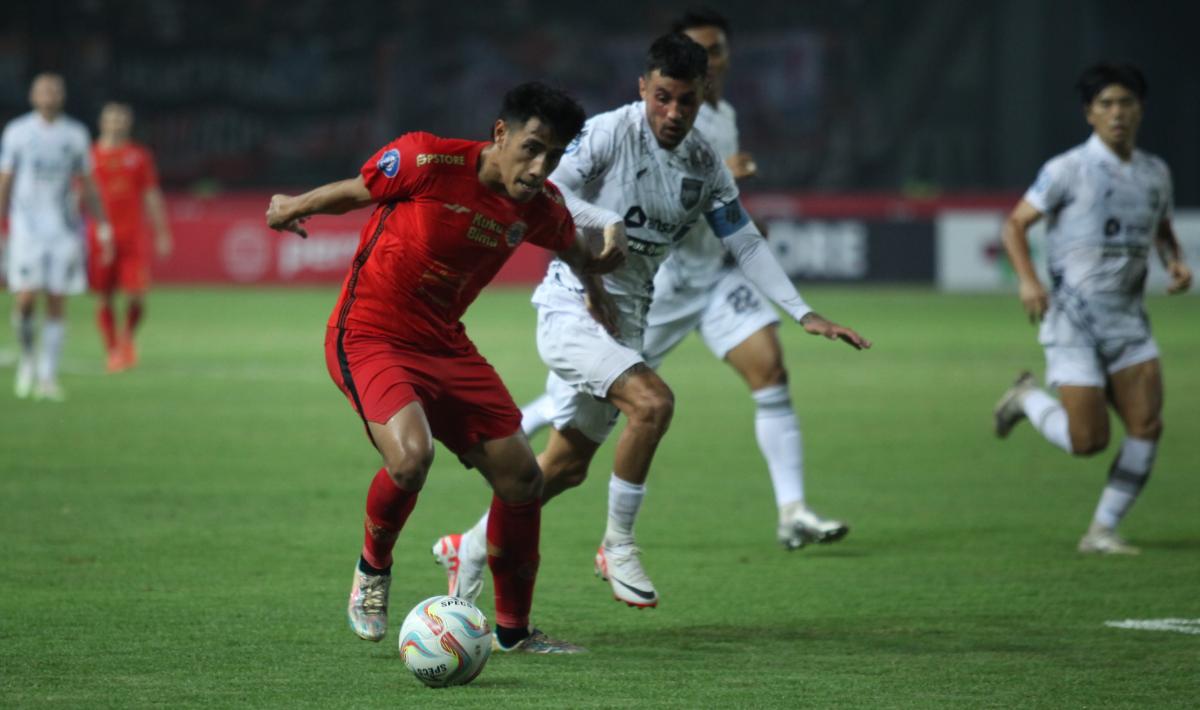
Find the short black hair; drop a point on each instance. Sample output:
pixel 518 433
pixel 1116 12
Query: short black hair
pixel 554 107
pixel 701 17
pixel 1096 77
pixel 677 56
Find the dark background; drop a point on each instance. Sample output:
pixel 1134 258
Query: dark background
pixel 920 97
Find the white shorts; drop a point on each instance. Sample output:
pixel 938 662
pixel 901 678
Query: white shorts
pixel 733 310
pixel 1086 345
pixel 1090 367
pixel 584 361
pixel 54 265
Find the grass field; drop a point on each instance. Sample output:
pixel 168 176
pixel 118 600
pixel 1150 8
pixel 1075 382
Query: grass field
pixel 183 534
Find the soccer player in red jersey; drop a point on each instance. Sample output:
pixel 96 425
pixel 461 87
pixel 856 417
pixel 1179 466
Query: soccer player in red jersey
pixel 128 183
pixel 447 215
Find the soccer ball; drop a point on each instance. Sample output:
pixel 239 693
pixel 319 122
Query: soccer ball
pixel 445 641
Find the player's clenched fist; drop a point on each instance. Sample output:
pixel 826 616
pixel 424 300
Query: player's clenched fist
pixel 280 216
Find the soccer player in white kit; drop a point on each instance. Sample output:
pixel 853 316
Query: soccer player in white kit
pixel 642 165
pixel 42 153
pixel 1107 204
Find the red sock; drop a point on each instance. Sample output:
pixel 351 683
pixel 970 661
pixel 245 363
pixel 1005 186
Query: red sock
pixel 108 327
pixel 512 539
pixel 133 316
pixel 388 506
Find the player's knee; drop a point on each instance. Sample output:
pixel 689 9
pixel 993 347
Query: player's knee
pixel 408 465
pixel 1088 443
pixel 523 486
pixel 770 374
pixel 569 476
pixel 654 410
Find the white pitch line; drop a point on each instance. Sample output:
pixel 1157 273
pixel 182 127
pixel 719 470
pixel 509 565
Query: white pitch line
pixel 1182 626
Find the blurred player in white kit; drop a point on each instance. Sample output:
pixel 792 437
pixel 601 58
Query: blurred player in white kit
pixel 1107 204
pixel 42 154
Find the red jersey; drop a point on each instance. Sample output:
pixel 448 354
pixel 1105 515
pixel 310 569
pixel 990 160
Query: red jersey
pixel 123 174
pixel 436 238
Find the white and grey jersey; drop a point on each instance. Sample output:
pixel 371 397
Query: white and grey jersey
pixel 617 164
pixel 698 261
pixel 45 157
pixel 1102 216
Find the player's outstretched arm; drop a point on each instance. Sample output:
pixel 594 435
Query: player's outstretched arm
pixel 288 213
pixel 1172 258
pixel 1015 236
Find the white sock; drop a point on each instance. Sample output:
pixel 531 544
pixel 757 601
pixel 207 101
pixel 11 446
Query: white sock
pixel 53 334
pixel 1125 480
pixel 1048 416
pixel 535 416
pixel 779 440
pixel 23 326
pixel 474 543
pixel 624 501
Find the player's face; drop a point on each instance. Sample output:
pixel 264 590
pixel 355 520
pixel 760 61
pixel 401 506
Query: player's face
pixel 116 122
pixel 47 94
pixel 1115 114
pixel 714 42
pixel 526 154
pixel 671 106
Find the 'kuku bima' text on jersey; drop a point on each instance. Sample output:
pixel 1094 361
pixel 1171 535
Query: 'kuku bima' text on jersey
pixel 436 237
pixel 45 158
pixel 698 260
pixel 617 164
pixel 1102 216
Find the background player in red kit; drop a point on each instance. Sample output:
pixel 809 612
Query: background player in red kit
pixel 448 214
pixel 128 183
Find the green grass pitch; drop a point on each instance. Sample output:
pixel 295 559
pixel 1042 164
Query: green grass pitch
pixel 182 535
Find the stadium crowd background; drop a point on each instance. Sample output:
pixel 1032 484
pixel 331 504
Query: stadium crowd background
pixel 920 97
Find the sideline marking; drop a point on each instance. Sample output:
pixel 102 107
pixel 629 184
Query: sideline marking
pixel 1183 626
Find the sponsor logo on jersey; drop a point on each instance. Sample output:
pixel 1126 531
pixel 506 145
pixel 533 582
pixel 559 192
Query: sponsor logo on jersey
pixel 1112 227
pixel 516 232
pixel 457 209
pixel 636 218
pixel 689 192
pixel 389 163
pixel 424 159
pixel 645 248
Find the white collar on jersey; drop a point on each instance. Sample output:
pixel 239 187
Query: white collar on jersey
pixel 1101 150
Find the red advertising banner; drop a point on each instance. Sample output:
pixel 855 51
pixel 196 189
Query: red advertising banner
pixel 226 240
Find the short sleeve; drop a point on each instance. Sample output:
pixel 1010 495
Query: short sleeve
pixel 8 150
pixel 390 174
pixel 1050 190
pixel 558 232
pixel 1168 210
pixel 589 156
pixel 83 152
pixel 724 188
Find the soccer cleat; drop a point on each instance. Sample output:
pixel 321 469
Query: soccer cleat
pixel 23 384
pixel 49 391
pixel 799 526
pixel 620 567
pixel 115 362
pixel 537 642
pixel 1105 541
pixel 465 578
pixel 1008 411
pixel 367 611
pixel 129 355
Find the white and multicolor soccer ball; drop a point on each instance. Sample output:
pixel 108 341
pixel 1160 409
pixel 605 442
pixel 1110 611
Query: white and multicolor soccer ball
pixel 445 641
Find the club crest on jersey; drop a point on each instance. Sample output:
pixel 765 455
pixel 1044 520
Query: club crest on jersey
pixel 516 232
pixel 689 192
pixel 389 163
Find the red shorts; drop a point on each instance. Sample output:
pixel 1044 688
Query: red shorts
pixel 129 270
pixel 463 397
